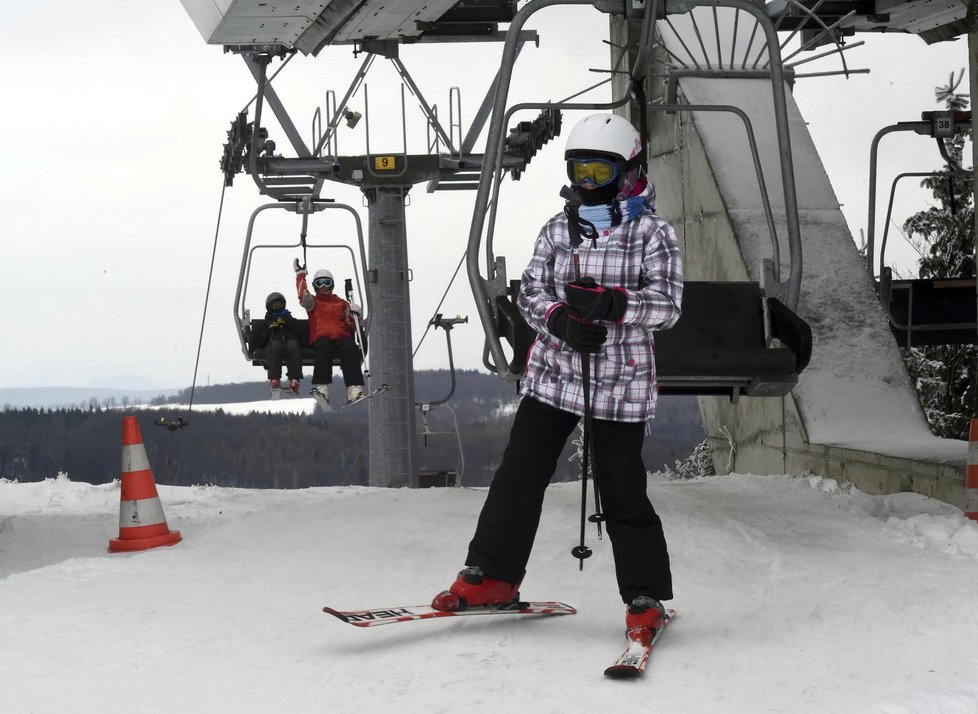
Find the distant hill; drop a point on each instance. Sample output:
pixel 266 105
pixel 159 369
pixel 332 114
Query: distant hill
pixel 82 397
pixel 291 451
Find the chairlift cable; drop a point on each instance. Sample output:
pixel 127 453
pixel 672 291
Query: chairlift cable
pixel 442 300
pixel 180 422
pixel 207 295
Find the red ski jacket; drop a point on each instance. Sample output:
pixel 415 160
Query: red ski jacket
pixel 329 314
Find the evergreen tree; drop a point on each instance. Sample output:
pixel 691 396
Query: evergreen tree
pixel 944 237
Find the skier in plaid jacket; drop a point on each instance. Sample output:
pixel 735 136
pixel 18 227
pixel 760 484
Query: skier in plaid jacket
pixel 630 285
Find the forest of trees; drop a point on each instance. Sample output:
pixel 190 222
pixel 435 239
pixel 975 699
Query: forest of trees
pixel 293 451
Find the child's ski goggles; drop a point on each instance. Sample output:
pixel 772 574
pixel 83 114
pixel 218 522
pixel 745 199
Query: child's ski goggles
pixel 596 172
pixel 323 283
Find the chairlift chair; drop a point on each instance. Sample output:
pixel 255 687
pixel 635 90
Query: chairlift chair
pixel 248 327
pixel 756 347
pixel 922 311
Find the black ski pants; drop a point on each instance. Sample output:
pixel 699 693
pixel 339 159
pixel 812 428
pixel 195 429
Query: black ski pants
pixel 286 349
pixel 349 353
pixel 511 514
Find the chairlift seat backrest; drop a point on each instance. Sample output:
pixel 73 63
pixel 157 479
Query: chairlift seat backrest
pixel 718 346
pixel 931 312
pixel 258 354
pixel 513 327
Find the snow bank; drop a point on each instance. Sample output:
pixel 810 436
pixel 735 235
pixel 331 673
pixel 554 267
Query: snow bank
pixel 794 594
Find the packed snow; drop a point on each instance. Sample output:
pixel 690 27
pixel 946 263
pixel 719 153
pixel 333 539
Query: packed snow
pixel 794 595
pixel 285 405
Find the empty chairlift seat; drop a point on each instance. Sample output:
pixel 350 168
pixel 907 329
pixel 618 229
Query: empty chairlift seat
pixel 719 346
pixel 930 312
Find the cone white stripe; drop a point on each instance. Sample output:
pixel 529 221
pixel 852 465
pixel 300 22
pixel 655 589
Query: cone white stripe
pixel 144 512
pixel 134 458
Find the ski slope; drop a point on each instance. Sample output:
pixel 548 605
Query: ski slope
pixel 793 595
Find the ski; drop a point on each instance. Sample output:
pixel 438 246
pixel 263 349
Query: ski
pixel 390 615
pixel 325 406
pixel 632 661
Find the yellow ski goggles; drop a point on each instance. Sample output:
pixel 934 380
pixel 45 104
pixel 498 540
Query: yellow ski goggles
pixel 596 172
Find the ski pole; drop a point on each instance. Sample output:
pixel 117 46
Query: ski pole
pixel 581 551
pixel 361 335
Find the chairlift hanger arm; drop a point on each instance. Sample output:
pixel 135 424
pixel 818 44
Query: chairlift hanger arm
pixel 889 206
pixel 939 125
pixel 447 324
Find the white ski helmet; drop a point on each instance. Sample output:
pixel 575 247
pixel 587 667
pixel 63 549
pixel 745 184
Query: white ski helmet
pixel 320 274
pixel 605 134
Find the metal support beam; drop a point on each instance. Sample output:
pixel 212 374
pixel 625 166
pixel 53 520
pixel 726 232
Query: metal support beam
pixel 430 115
pixel 972 24
pixel 277 108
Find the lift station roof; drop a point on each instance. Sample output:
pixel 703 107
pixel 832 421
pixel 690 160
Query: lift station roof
pixel 310 25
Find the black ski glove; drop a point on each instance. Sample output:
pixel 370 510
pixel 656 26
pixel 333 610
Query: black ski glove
pixel 581 336
pixel 595 302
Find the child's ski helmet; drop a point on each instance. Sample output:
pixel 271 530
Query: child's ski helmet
pixel 604 138
pixel 323 278
pixel 607 134
pixel 274 297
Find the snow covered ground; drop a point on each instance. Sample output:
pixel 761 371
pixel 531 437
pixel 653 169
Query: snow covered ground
pixel 793 596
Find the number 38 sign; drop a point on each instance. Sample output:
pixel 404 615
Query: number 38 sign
pixel 942 124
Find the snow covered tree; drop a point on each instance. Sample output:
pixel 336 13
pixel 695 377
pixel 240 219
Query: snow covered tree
pixel 944 237
pixel 698 464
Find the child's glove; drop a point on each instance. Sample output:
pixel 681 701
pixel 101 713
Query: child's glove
pixel 299 269
pixel 596 302
pixel 356 309
pixel 586 337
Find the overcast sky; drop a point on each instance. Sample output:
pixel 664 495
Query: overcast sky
pixel 114 121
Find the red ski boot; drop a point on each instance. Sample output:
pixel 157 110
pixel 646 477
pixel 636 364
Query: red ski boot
pixel 644 618
pixel 473 589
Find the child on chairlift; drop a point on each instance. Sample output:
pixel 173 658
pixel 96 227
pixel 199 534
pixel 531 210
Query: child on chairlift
pixel 331 330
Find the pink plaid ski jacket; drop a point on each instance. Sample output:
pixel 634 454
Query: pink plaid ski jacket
pixel 643 257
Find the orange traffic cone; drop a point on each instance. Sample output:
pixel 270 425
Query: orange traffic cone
pixel 142 524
